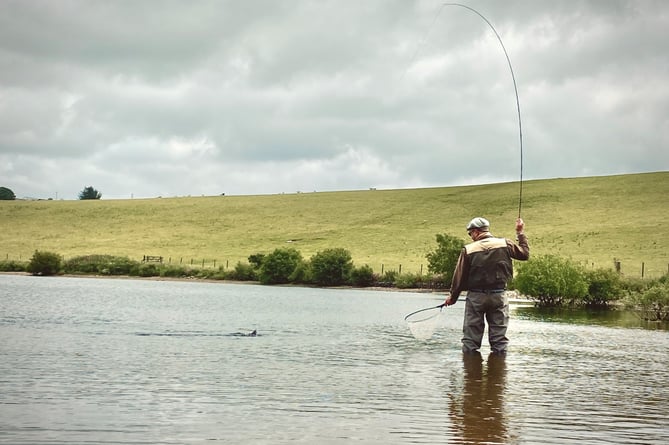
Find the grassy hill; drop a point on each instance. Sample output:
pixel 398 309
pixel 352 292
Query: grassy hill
pixel 592 220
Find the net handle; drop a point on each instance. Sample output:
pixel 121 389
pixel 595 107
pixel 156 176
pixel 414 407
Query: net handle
pixel 441 306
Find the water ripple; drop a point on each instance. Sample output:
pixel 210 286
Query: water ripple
pixel 110 361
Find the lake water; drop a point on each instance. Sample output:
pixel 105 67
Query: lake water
pixel 104 361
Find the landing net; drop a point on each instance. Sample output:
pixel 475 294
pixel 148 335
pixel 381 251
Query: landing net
pixel 423 323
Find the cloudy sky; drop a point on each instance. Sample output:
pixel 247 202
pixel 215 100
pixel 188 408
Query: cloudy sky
pixel 177 98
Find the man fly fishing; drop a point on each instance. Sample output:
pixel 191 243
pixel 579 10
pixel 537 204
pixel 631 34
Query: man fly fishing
pixel 483 270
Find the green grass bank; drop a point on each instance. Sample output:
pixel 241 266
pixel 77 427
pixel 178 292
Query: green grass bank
pixel 592 220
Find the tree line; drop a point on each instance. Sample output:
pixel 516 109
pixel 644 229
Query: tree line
pixel 7 194
pixel 548 280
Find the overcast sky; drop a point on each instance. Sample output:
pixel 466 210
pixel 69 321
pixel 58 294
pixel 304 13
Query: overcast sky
pixel 176 98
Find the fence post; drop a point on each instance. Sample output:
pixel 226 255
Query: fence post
pixel 643 266
pixel 381 268
pixel 400 272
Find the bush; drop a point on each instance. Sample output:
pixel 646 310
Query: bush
pixel 634 284
pixel 13 266
pixel 209 274
pixel 331 267
pixel 278 266
pixel 418 281
pixel 444 258
pixel 44 263
pixel 604 286
pixel 388 278
pixel 436 281
pixel 652 303
pixel 89 193
pixel 148 270
pixel 88 264
pixel 256 260
pixel 243 272
pixel 100 265
pixel 551 280
pixel 362 276
pixel 172 271
pixel 6 194
pixel 301 274
pixel 120 266
pixel 409 281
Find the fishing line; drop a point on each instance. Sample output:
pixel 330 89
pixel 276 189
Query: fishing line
pixel 513 77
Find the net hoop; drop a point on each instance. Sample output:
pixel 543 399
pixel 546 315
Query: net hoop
pixel 423 314
pixel 423 322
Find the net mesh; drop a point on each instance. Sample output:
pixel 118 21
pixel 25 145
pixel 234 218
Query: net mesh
pixel 423 324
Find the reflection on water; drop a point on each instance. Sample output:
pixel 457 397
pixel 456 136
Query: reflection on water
pixel 602 317
pixel 131 361
pixel 477 410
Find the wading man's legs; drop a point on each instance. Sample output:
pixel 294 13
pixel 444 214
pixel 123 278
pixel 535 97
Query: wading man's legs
pixel 473 324
pixel 497 316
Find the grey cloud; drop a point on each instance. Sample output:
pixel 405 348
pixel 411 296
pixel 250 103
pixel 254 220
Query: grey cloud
pixel 265 97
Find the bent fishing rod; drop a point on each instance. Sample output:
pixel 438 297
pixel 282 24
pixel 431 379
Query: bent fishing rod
pixel 515 89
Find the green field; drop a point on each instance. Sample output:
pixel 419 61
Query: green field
pixel 592 220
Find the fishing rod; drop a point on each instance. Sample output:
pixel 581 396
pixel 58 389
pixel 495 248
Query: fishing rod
pixel 515 88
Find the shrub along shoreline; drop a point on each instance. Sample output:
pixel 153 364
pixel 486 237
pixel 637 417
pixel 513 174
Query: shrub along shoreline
pixel 548 281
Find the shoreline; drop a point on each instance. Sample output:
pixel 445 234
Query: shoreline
pixel 514 298
pixel 209 280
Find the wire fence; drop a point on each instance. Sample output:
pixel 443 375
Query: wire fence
pixel 631 270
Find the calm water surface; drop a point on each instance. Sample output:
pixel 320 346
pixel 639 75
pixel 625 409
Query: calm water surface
pixel 95 361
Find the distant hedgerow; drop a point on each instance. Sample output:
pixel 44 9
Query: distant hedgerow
pixel 13 266
pixel 172 271
pixel 148 270
pixel 100 265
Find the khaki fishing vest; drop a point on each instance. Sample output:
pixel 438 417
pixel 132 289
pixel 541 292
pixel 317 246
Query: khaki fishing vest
pixel 490 265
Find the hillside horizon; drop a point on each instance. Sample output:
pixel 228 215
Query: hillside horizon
pixel 297 192
pixel 593 220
